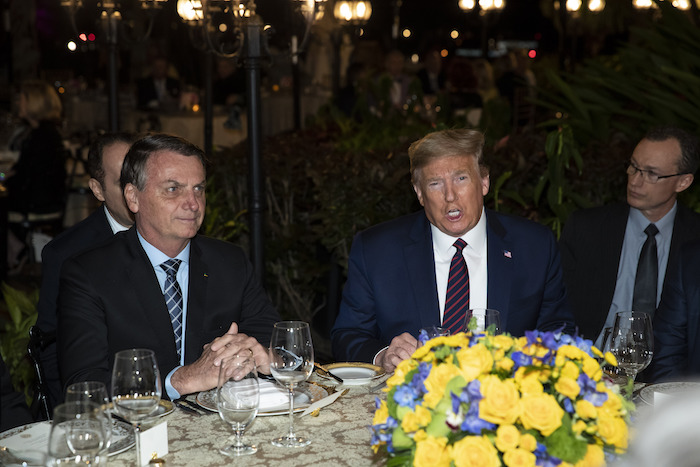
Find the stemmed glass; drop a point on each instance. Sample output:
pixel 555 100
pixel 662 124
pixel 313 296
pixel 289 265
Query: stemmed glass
pixel 136 387
pixel 238 397
pixel 96 392
pixel 291 362
pixel 431 332
pixel 482 320
pixel 77 434
pixel 632 342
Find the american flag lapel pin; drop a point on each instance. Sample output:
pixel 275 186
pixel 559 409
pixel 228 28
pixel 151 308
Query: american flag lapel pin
pixel 507 254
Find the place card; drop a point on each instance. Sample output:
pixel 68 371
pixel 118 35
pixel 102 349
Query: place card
pixel 153 443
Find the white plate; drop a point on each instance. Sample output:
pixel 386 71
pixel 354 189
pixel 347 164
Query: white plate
pixel 304 395
pixel 647 394
pixel 354 373
pixel 122 436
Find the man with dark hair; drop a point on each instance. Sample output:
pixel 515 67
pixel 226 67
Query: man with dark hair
pixel 104 166
pixel 192 299
pixel 615 257
pixel 401 273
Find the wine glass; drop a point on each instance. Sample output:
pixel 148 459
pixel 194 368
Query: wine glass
pixel 291 362
pixel 237 399
pixel 93 391
pixel 77 434
pixel 479 320
pixel 136 387
pixel 632 342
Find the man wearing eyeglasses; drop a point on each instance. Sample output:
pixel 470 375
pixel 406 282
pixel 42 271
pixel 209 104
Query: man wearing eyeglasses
pixel 615 257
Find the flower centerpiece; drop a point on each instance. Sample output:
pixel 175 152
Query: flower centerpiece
pixel 480 399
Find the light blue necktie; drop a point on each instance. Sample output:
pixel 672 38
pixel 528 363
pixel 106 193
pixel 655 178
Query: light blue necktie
pixel 173 300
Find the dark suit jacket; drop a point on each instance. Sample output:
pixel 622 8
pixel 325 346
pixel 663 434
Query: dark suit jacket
pixel 677 321
pixel 87 233
pixel 110 300
pixel 591 243
pixel 391 286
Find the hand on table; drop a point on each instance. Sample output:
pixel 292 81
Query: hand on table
pixel 203 374
pixel 401 348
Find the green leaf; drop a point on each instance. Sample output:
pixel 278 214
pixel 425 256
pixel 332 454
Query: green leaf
pixel 564 444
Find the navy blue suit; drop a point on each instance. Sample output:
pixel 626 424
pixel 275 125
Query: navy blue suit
pixel 391 286
pixel 110 300
pixel 677 320
pixel 87 233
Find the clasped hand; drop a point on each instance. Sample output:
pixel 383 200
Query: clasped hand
pixel 203 374
pixel 400 348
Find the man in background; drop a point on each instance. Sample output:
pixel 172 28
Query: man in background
pixel 105 158
pixel 615 257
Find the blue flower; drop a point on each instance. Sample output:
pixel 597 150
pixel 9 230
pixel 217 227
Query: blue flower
pixel 520 359
pixel 418 380
pixel 568 405
pixel 405 396
pixel 473 424
pixel 543 458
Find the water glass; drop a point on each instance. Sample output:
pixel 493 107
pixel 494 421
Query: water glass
pixel 479 320
pixel 93 391
pixel 78 435
pixel 238 398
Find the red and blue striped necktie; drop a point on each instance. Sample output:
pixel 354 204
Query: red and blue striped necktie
pixel 457 299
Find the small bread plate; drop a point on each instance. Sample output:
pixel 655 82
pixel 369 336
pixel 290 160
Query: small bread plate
pixel 36 436
pixel 165 407
pixel 669 389
pixel 354 373
pixel 274 398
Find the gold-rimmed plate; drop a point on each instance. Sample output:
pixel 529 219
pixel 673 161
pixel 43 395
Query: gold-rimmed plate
pixel 671 389
pixel 354 373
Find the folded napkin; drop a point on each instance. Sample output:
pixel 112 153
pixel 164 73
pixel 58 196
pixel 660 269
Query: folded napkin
pixel 272 395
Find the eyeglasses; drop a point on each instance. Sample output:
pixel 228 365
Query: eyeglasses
pixel 648 175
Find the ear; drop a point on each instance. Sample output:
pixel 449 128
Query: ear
pixel 485 184
pixel 684 181
pixel 131 197
pixel 96 188
pixel 419 193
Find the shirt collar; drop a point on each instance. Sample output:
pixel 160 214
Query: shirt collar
pixel 157 257
pixel 665 224
pixel 475 238
pixel 113 224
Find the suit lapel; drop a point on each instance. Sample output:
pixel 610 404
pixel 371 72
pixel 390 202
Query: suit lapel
pixel 612 249
pixel 150 298
pixel 420 264
pixel 500 271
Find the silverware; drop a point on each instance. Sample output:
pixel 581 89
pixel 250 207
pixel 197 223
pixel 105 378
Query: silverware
pixel 196 407
pixel 325 372
pixel 185 408
pixel 378 386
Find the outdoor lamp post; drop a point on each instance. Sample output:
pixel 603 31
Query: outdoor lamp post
pixel 233 29
pixel 110 14
pixel 486 9
pixel 351 15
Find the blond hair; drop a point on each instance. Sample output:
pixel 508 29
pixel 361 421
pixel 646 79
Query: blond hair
pixel 43 102
pixel 445 143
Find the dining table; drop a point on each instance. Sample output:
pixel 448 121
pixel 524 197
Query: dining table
pixel 339 435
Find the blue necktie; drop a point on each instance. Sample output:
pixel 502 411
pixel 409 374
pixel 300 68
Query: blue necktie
pixel 173 299
pixel 457 299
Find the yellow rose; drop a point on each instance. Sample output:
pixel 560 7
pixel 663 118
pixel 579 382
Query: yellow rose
pixel 507 438
pixel 436 382
pixel 500 404
pixel 570 370
pixel 420 435
pixel 568 387
pixel 432 452
pixel 473 451
pixel 579 427
pixel 610 359
pixel 505 364
pixel 519 458
pixel 424 353
pixel 571 352
pixel 473 361
pixel 613 430
pixel 592 368
pixel 613 404
pixel 400 372
pixel 416 419
pixel 595 457
pixel 541 412
pixel 585 409
pixel 381 414
pixel 528 442
pixel 503 341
